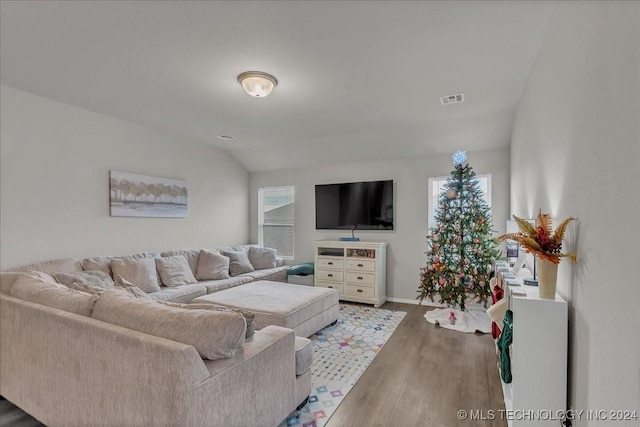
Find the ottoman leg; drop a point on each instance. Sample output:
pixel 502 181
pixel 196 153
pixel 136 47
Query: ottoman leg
pixel 304 402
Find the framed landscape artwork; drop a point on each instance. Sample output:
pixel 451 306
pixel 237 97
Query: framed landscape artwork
pixel 132 194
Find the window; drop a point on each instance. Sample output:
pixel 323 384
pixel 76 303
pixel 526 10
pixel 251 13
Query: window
pixel 276 219
pixel 436 186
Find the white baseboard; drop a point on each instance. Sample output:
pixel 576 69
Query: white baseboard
pixel 413 301
pixel 427 303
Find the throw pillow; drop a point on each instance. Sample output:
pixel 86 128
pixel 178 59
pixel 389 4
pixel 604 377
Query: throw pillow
pixel 238 262
pixel 212 266
pixel 214 334
pixel 175 271
pixel 131 288
pixel 101 263
pixel 192 256
pixel 139 271
pixel 42 288
pixel 249 317
pixel 262 258
pixel 85 280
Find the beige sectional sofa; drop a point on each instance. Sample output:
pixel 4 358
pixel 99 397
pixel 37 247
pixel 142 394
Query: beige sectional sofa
pixel 93 364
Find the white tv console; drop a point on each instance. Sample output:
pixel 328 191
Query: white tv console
pixel 357 270
pixel 538 358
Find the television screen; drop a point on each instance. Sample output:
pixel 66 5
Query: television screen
pixel 359 205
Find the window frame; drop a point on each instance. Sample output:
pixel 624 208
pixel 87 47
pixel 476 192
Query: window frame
pixel 261 222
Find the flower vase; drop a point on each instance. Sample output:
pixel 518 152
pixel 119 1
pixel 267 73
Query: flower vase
pixel 548 274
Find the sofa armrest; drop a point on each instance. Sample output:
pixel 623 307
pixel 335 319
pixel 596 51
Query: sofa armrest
pixel 256 387
pixel 279 261
pixel 67 369
pixel 6 281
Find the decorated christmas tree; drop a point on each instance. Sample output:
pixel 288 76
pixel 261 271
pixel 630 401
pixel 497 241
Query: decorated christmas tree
pixel 460 247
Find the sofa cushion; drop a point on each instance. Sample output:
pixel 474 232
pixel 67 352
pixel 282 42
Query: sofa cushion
pixel 304 355
pixel 238 262
pixel 219 285
pixel 99 263
pixel 88 281
pixel 181 294
pixel 262 258
pixel 65 265
pixel 276 274
pixel 212 266
pixel 249 317
pixel 42 288
pixel 103 263
pixel 214 334
pixel 175 271
pixel 131 288
pixel 192 256
pixel 139 271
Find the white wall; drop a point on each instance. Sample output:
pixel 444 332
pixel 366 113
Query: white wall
pixel 55 185
pixel 576 151
pixel 407 243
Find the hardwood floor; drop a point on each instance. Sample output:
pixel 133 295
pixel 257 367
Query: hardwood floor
pixel 423 375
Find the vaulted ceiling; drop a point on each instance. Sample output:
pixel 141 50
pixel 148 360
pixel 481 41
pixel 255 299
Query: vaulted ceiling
pixel 358 80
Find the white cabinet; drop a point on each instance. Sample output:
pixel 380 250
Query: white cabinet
pixel 538 359
pixel 358 270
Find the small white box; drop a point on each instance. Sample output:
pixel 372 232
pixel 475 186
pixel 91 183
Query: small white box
pixel 301 280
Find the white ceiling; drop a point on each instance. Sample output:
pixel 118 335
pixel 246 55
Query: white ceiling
pixel 358 80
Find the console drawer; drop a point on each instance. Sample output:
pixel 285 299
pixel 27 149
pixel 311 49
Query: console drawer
pixel 361 278
pixel 330 275
pixel 361 265
pixel 330 263
pixel 360 291
pixel 338 286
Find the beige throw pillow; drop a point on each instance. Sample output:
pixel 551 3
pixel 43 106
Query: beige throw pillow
pixel 141 272
pixel 212 266
pixel 192 256
pixel 42 288
pixel 131 288
pixel 238 262
pixel 85 280
pixel 249 316
pixel 262 258
pixel 214 334
pixel 175 271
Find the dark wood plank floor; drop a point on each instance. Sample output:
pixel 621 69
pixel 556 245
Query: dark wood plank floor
pixel 423 375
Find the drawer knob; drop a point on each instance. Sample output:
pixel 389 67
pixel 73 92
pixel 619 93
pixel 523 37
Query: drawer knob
pixel 360 290
pixel 329 275
pixel 360 265
pixel 330 263
pixel 360 278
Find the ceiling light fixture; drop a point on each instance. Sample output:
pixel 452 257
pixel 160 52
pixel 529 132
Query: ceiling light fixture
pixel 257 83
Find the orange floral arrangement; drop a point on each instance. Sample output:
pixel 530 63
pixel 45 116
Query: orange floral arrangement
pixel 539 239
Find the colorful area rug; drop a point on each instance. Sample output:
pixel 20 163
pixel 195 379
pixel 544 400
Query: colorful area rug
pixel 341 353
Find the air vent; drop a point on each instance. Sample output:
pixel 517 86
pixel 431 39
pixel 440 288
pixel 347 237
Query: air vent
pixel 226 137
pixel 452 99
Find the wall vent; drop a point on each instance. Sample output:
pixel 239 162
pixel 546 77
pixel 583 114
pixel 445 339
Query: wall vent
pixel 452 99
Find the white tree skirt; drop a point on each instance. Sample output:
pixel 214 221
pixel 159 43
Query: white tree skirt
pixel 458 320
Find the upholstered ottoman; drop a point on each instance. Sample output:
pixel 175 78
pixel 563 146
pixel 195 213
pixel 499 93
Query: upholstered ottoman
pixel 304 309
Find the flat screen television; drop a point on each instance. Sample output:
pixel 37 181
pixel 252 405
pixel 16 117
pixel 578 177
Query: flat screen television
pixel 360 205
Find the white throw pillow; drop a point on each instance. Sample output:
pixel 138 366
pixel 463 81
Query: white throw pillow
pixel 262 258
pixel 175 271
pixel 141 272
pixel 238 262
pixel 212 266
